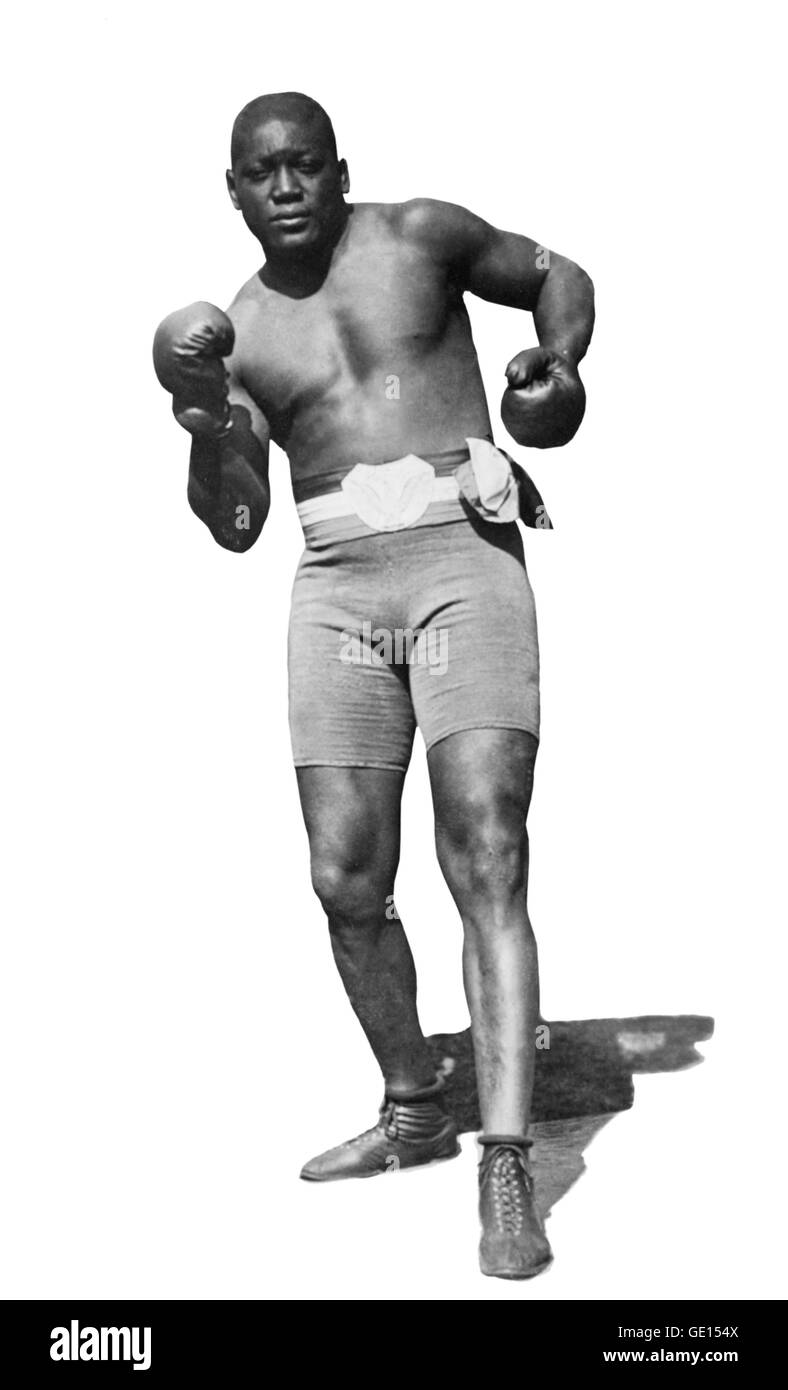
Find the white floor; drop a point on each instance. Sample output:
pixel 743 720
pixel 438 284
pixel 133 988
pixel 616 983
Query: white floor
pixel 197 1196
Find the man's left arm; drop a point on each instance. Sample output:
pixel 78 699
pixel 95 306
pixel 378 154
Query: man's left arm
pixel 545 400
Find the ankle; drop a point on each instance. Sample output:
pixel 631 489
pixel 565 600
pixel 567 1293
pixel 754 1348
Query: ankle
pixel 411 1093
pixel 520 1140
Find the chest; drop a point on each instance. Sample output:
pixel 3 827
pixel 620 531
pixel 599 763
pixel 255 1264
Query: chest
pixel 379 309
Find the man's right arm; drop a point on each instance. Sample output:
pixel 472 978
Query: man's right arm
pixel 228 475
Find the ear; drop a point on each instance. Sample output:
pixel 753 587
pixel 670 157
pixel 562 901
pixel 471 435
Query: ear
pixel 344 176
pixel 230 176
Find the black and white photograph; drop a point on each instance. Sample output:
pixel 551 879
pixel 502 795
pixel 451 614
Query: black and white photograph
pixel 394 713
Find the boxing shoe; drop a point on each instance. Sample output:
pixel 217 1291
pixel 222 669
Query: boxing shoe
pixel 513 1243
pixel 413 1128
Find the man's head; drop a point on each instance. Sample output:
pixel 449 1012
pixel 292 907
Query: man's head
pixel 285 177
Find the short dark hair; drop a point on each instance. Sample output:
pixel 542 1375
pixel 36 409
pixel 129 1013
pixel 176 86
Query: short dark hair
pixel 290 106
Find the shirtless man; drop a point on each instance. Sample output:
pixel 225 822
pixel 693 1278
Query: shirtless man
pixel 351 348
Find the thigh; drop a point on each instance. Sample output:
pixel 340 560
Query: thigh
pixel 482 781
pixel 347 707
pixel 352 815
pixel 478 663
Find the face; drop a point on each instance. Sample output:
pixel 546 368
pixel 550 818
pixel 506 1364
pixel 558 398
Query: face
pixel 288 186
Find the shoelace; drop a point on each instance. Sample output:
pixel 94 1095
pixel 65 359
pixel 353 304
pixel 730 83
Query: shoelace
pixel 510 1181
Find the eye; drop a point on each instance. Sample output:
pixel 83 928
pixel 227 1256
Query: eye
pixel 309 166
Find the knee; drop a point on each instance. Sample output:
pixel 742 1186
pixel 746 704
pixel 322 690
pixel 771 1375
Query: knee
pixel 349 893
pixel 486 862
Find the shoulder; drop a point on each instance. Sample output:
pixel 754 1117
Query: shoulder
pixel 429 218
pixel 418 219
pixel 449 232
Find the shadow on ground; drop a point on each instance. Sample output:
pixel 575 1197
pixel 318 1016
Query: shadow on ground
pixel 582 1080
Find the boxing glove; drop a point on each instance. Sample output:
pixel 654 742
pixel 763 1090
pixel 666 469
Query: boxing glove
pixel 187 356
pixel 545 400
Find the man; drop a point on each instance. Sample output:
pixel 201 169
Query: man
pixel 351 348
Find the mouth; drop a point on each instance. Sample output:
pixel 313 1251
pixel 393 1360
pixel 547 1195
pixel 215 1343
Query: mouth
pixel 291 221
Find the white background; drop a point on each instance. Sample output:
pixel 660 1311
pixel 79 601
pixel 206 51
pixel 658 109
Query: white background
pixel 175 1042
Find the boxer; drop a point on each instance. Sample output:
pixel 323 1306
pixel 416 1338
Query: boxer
pixel 351 348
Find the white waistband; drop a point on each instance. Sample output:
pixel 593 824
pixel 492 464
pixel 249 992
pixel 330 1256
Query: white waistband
pixel 334 504
pixel 390 496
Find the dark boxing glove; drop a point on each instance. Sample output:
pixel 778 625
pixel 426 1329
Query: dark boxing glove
pixel 545 400
pixel 187 356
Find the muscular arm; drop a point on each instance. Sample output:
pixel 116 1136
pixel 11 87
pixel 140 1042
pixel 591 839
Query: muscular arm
pixel 510 269
pixel 228 478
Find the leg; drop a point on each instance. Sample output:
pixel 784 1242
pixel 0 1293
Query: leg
pixel 481 786
pixel 352 727
pixel 481 782
pixel 352 817
pixel 478 710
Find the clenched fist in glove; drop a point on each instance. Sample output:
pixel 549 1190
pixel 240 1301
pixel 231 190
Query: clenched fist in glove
pixel 188 349
pixel 545 400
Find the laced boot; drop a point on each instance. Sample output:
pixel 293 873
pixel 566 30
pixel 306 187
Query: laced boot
pixel 513 1243
pixel 413 1128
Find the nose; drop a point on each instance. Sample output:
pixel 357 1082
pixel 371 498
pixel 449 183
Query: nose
pixel 285 187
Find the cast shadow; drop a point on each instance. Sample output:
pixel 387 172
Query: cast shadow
pixel 584 1072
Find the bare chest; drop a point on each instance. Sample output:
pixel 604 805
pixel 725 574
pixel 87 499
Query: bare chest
pixel 376 314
